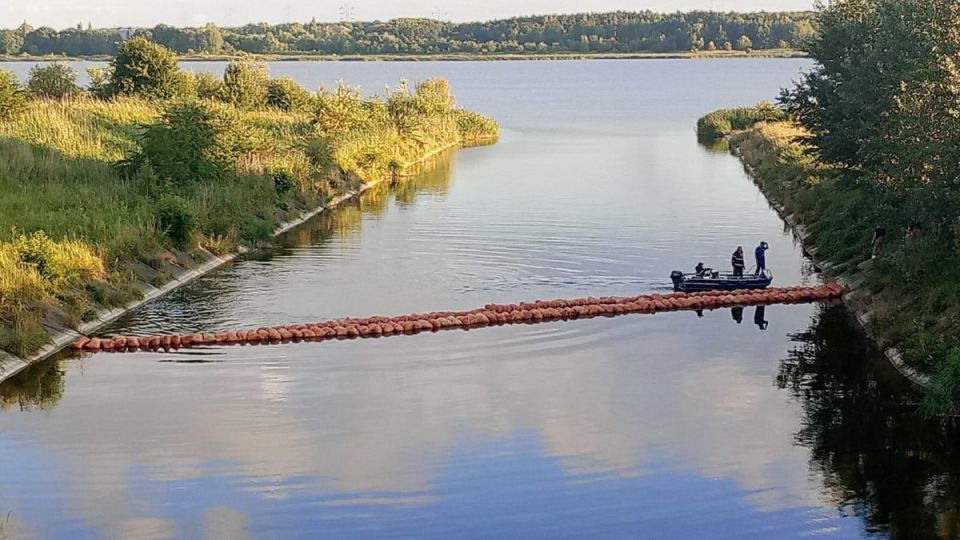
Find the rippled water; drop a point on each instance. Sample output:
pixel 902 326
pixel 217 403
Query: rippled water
pixel 773 423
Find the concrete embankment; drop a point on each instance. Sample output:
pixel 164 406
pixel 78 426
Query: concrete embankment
pixel 861 302
pixel 62 337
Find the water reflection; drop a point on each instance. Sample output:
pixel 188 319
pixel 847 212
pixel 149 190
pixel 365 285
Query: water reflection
pixel 39 387
pixel 879 459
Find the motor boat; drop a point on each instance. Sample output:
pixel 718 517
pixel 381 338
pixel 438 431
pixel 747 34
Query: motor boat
pixel 711 280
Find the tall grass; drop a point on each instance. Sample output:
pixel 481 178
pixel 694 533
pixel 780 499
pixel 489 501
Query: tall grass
pixel 79 218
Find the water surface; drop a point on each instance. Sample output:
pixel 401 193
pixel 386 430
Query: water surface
pixel 740 423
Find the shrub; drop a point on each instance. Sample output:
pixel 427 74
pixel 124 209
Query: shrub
pixel 256 231
pixel 175 220
pixel 55 81
pixel 287 95
pixel 944 393
pixel 146 69
pixel 180 148
pixel 99 86
pixel 475 128
pixel 340 110
pixel 283 182
pixel 435 95
pixel 245 85
pixel 12 97
pixel 208 86
pixel 720 123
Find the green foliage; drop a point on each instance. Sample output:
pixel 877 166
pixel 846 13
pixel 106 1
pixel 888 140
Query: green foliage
pixel 208 86
pixel 720 123
pixel 99 86
pixel 12 96
pixel 287 95
pixel 744 43
pixel 944 393
pixel 54 80
pixel 181 147
pixel 245 85
pixel 339 111
pixel 283 182
pixel 143 68
pixel 175 220
pixel 619 32
pixel 195 174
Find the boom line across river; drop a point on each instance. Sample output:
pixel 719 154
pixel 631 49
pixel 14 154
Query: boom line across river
pixel 489 315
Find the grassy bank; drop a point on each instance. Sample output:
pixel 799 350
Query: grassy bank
pixel 438 57
pixel 100 195
pixel 910 288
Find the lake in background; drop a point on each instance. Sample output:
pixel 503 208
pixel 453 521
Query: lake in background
pixel 778 423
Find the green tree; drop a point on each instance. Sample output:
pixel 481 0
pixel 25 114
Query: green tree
pixel 12 96
pixel 145 69
pixel 245 85
pixel 287 95
pixel 181 148
pixel 744 43
pixel 10 42
pixel 54 80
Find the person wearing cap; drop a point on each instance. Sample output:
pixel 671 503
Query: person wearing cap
pixel 761 255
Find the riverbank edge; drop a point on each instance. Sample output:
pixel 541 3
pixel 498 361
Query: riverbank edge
pixel 856 296
pixel 61 338
pixel 306 57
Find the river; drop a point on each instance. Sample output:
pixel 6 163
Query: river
pixel 737 423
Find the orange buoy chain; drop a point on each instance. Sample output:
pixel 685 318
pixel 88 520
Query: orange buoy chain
pixel 489 315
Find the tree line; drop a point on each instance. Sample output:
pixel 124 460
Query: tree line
pixel 619 32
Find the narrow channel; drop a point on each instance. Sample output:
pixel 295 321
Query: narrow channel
pixel 777 423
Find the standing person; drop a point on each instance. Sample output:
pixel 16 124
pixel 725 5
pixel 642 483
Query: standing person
pixel 737 262
pixel 761 255
pixel 879 236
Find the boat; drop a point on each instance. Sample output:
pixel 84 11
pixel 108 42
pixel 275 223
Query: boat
pixel 711 280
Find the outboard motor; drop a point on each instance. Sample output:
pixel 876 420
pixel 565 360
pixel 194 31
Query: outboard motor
pixel 677 277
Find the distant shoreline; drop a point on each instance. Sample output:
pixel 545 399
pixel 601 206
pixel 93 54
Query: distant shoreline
pixel 471 57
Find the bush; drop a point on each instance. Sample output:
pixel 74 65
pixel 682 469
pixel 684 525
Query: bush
pixel 12 96
pixel 245 85
pixel 55 81
pixel 180 148
pixel 719 124
pixel 283 182
pixel 339 111
pixel 435 95
pixel 287 95
pixel 143 68
pixel 208 86
pixel 175 220
pixel 99 86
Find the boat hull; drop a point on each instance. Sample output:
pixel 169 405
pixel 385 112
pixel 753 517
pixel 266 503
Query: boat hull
pixel 720 282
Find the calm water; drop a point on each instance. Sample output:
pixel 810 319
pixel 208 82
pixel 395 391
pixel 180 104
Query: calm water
pixel 780 423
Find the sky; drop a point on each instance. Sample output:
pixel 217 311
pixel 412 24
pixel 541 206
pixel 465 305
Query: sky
pixel 111 13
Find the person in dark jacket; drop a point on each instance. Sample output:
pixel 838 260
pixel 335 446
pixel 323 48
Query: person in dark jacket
pixel 737 262
pixel 761 256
